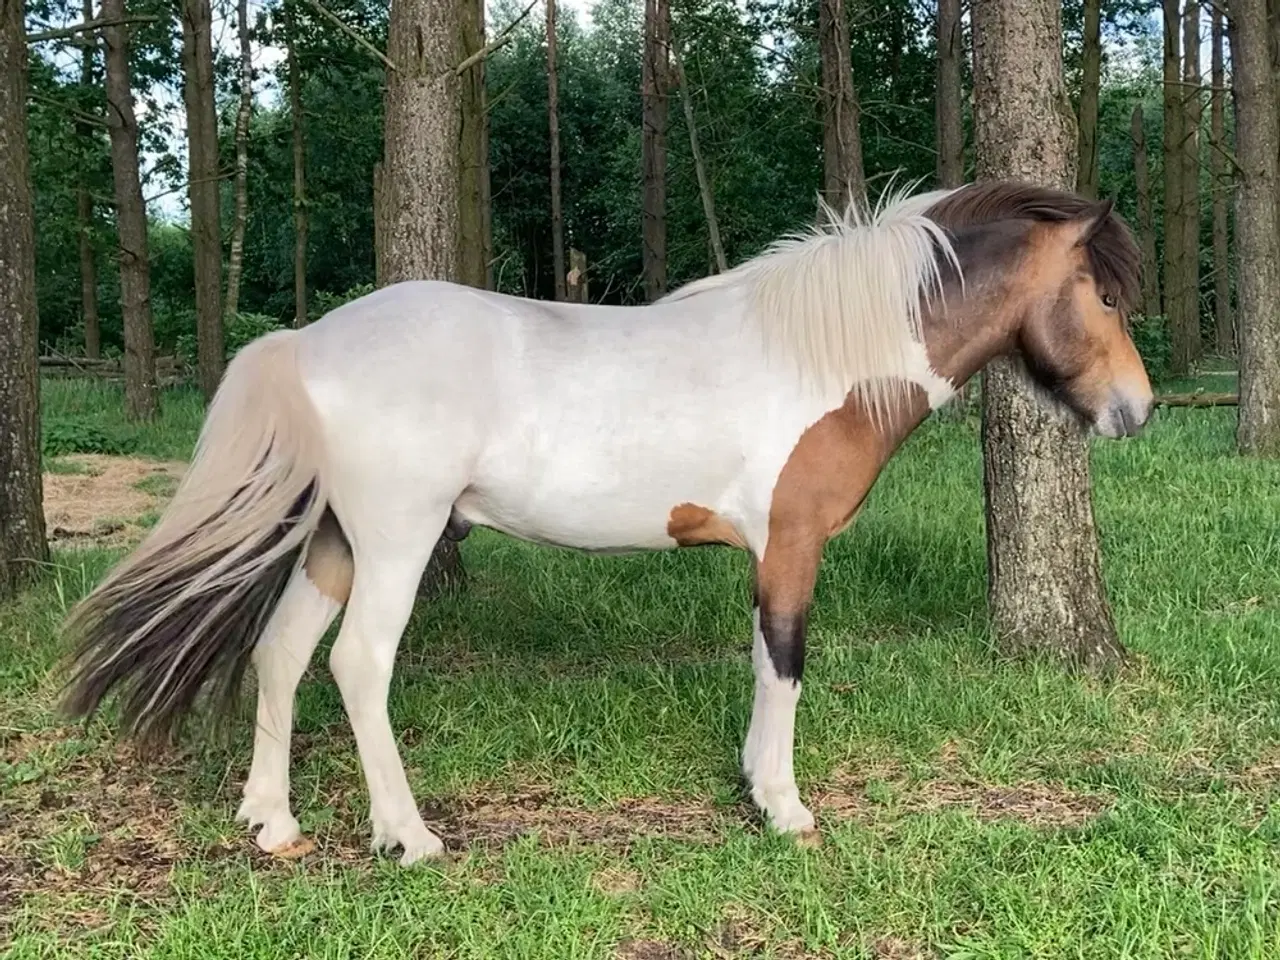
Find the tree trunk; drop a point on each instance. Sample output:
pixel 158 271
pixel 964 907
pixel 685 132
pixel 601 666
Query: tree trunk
pixel 653 88
pixel 202 152
pixel 84 207
pixel 140 391
pixel 842 176
pixel 1091 80
pixel 576 280
pixel 300 220
pixel 1187 341
pixel 1045 588
pixel 1220 177
pixel 1146 223
pixel 699 167
pixel 475 235
pixel 421 174
pixel 553 119
pixel 23 549
pixel 1257 231
pixel 240 218
pixel 1173 122
pixel 950 130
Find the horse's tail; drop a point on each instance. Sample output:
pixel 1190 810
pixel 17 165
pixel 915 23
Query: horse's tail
pixel 187 607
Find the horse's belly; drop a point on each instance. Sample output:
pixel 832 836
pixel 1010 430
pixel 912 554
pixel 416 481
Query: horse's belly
pixel 600 506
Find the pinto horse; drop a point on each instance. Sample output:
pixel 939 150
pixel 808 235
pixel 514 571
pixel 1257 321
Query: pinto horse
pixel 752 409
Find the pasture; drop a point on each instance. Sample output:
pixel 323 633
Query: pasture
pixel 571 726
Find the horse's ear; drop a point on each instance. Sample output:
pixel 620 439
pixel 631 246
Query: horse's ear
pixel 1094 220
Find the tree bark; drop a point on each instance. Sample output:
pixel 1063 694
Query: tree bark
pixel 843 181
pixel 699 167
pixel 1187 344
pixel 1090 82
pixel 84 207
pixel 240 218
pixel 1045 585
pixel 1172 149
pixel 23 549
pixel 576 280
pixel 140 389
pixel 474 225
pixel 202 188
pixel 1146 223
pixel 300 218
pixel 653 87
pixel 421 178
pixel 379 225
pixel 950 130
pixel 1220 176
pixel 1257 230
pixel 553 121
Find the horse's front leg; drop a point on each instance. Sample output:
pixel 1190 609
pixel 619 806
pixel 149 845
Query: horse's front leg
pixel 784 589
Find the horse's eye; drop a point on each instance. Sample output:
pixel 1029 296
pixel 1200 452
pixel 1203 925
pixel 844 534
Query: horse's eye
pixel 1108 301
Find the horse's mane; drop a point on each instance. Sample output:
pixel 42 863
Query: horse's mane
pixel 1114 255
pixel 842 301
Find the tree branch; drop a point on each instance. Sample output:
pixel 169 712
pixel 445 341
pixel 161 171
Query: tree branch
pixel 500 40
pixel 353 34
pixel 225 175
pixel 64 33
pixel 66 108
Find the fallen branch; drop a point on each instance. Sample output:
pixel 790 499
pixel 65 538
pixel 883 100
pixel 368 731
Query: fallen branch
pixel 1198 400
pixel 500 40
pixel 65 33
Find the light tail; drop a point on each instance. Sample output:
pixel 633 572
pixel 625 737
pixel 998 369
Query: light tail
pixel 182 613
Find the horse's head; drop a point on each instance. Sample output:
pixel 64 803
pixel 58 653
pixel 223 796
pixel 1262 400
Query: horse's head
pixel 1074 333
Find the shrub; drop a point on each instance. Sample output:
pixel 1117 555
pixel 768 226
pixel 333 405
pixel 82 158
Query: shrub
pixel 63 435
pixel 323 301
pixel 1151 337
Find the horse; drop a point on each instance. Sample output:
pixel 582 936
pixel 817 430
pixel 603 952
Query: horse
pixel 752 409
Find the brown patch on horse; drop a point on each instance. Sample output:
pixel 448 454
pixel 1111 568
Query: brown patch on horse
pixel 329 565
pixel 692 525
pixel 820 488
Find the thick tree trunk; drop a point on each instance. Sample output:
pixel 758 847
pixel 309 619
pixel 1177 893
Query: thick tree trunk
pixel 1172 165
pixel 1186 336
pixel 240 218
pixel 699 167
pixel 553 119
pixel 1220 177
pixel 421 177
pixel 1090 82
pixel 1257 230
pixel 475 235
pixel 843 181
pixel 950 129
pixel 202 153
pixel 300 218
pixel 140 391
pixel 84 207
pixel 1146 222
pixel 653 88
pixel 1046 591
pixel 23 549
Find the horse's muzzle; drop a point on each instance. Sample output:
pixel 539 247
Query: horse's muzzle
pixel 1126 413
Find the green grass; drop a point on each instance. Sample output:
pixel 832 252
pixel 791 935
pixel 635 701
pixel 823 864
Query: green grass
pixel 597 681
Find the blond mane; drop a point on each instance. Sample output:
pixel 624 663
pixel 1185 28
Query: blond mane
pixel 841 301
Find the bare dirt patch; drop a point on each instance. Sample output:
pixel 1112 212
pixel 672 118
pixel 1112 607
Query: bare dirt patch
pixel 868 797
pixel 648 950
pixel 496 819
pixel 616 882
pixel 101 504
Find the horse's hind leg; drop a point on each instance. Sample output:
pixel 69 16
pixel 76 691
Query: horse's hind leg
pixel 310 602
pixel 388 568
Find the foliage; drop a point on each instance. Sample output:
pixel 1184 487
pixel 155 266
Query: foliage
pixel 1151 337
pixel 60 436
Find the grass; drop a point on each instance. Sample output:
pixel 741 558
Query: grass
pixel 571 725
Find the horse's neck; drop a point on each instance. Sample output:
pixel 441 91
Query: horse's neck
pixel 963 331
